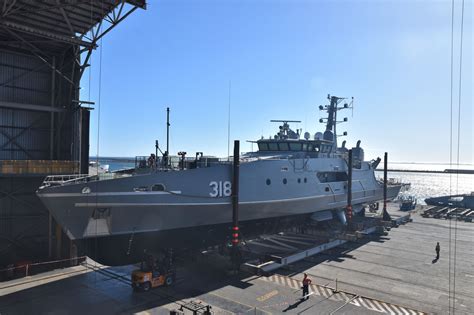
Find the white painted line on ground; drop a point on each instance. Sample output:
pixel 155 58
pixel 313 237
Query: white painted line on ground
pixel 328 293
pixel 387 307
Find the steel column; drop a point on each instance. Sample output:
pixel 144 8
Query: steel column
pixel 235 194
pixel 349 188
pixel 385 214
pixel 51 133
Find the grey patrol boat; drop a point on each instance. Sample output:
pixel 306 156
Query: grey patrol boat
pixel 114 217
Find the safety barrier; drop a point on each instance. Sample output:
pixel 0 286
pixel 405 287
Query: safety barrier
pixel 30 167
pixel 27 268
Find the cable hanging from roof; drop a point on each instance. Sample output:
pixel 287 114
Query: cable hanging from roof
pixel 458 149
pixel 452 255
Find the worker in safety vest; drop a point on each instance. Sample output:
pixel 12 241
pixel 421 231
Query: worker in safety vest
pixel 306 283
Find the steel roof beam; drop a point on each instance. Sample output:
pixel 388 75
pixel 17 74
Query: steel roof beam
pixel 35 50
pixel 43 8
pixel 32 107
pixel 66 18
pixel 96 36
pixel 46 34
pixel 6 9
pixel 79 21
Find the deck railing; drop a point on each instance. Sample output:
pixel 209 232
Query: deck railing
pixel 54 180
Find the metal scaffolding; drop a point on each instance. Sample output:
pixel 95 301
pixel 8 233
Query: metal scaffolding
pixel 45 47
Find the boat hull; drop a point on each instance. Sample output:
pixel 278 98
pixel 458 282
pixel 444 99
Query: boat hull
pixel 193 207
pixel 111 216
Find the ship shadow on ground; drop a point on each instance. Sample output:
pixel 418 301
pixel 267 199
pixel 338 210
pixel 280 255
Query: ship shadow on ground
pixel 109 290
pixel 210 273
pixel 338 254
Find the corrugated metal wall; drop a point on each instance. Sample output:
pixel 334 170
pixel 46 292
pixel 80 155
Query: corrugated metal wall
pixel 24 79
pixel 23 221
pixel 26 135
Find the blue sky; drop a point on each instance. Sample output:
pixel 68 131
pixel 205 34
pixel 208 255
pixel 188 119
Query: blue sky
pixel 282 59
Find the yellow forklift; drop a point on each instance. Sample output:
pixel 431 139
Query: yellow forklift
pixel 153 273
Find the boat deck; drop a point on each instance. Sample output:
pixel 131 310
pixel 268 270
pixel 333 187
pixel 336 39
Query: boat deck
pixel 392 274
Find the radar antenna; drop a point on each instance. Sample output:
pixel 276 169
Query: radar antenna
pixel 285 131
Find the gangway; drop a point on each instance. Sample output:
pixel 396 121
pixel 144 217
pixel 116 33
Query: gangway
pixel 440 212
pixel 452 212
pixel 448 213
pixel 429 211
pixel 469 216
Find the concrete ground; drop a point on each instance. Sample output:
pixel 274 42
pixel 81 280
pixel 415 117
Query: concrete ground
pixel 106 293
pixel 395 274
pixel 400 268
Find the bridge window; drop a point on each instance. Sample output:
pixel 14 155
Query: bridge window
pixel 327 177
pixel 313 147
pixel 262 146
pixel 295 146
pixel 272 146
pixel 283 146
pixel 326 148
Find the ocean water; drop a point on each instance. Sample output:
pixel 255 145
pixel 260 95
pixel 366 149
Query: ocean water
pixel 116 163
pixel 426 166
pixel 423 185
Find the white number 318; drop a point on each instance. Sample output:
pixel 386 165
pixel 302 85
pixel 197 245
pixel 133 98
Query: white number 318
pixel 220 189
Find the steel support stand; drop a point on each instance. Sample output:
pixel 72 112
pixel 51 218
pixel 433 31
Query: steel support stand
pixel 167 136
pixel 349 191
pixel 385 215
pixel 235 254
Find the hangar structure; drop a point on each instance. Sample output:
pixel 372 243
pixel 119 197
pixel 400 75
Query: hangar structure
pixel 45 48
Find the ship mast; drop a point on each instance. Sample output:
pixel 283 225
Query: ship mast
pixel 332 113
pixel 331 121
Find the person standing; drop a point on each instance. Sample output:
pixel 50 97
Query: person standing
pixel 306 283
pixel 437 248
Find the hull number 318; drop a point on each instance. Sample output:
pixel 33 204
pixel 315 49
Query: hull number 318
pixel 220 189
